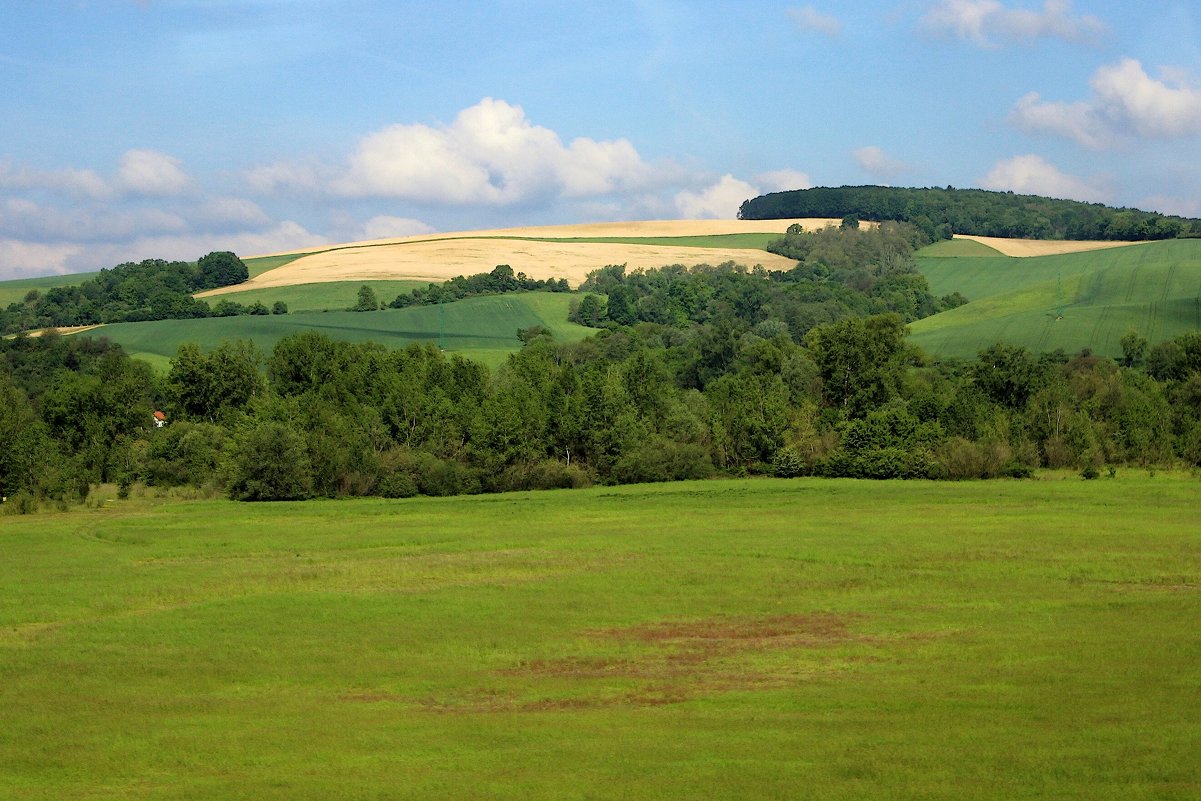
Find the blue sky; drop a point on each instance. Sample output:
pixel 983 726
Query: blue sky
pixel 169 128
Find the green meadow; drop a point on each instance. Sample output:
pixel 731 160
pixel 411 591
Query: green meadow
pixel 481 328
pixel 14 291
pixel 257 265
pixel 1071 301
pixel 737 639
pixel 328 296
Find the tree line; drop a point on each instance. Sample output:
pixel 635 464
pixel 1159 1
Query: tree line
pixel 841 272
pixel 641 402
pixel 153 289
pixel 941 212
pixel 499 281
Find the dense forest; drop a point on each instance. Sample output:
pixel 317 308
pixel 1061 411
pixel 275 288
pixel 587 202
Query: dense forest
pixel 840 273
pixel 696 372
pixel 149 290
pixel 939 213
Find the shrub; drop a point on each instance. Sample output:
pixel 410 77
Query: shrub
pixel 396 485
pixel 788 463
pixel 271 464
pixel 445 476
pixel 23 503
pixel 959 459
pixel 877 463
pixel 545 474
pixel 663 460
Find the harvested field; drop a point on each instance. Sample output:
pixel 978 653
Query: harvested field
pixel 643 228
pixel 444 256
pixel 443 260
pixel 1023 248
pixel 65 329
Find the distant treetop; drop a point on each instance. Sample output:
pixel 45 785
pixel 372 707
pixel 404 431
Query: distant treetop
pixel 940 213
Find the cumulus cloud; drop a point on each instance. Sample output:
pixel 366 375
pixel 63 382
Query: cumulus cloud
pixel 810 20
pixel 1126 101
pixel 77 183
pixel 230 212
pixel 286 176
pixel 490 155
pixel 1167 204
pixel 1080 121
pixel 783 180
pixel 1033 175
pixel 287 235
pixel 149 172
pixel 988 23
pixel 718 201
pixel 25 219
pixel 384 226
pixel 19 259
pixel 875 162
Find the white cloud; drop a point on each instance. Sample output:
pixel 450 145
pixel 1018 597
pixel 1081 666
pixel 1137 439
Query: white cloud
pixel 810 20
pixel 988 22
pixel 783 180
pixel 78 183
pixel 286 176
pixel 149 172
pixel 230 212
pixel 490 155
pixel 1032 175
pixel 287 235
pixel 1080 121
pixel 718 201
pixel 1152 108
pixel 874 161
pixel 19 259
pixel 24 219
pixel 384 226
pixel 1166 204
pixel 1126 101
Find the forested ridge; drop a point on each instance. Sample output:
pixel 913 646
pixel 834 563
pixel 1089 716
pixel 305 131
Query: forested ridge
pixel 942 212
pixel 152 289
pixel 696 372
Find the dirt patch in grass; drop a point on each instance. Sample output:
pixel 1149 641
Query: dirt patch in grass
pixel 670 662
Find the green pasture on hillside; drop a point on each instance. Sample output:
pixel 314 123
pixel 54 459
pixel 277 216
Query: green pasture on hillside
pixel 258 265
pixel 15 291
pixel 481 328
pixel 329 296
pixel 957 248
pixel 1071 301
pixel 741 639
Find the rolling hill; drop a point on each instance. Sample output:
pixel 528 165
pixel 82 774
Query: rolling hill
pixel 483 328
pixel 561 251
pixel 1069 301
pixel 327 280
pixel 1040 294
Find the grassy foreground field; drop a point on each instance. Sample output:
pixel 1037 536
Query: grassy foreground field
pixel 728 639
